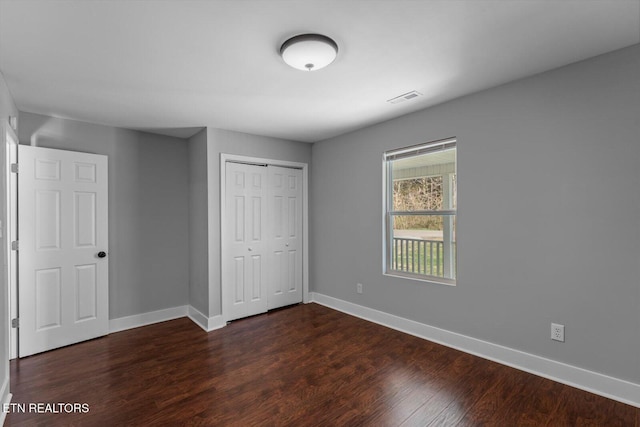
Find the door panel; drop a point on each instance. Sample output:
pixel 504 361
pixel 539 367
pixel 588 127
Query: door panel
pixel 86 292
pixel 85 219
pixel 256 268
pixel 285 239
pixel 243 267
pixel 48 299
pixel 47 220
pixel 63 287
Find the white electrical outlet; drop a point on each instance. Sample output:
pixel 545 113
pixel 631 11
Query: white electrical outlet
pixel 359 288
pixel 557 332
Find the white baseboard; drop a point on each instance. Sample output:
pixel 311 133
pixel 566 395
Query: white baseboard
pixel 593 382
pixel 137 320
pixel 207 323
pixel 5 396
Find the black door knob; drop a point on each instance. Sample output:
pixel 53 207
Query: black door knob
pixel 102 254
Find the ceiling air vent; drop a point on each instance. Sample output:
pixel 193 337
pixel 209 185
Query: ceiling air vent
pixel 404 97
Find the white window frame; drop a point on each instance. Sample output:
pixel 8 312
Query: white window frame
pixel 388 212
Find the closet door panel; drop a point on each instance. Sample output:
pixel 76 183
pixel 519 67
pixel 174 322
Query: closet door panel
pixel 285 227
pixel 243 264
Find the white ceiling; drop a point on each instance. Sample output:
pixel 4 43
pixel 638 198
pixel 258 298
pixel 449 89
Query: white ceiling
pixel 173 66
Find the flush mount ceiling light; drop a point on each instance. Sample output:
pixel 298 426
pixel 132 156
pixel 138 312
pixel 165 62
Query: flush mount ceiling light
pixel 309 52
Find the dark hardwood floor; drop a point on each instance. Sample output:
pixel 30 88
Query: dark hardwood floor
pixel 306 365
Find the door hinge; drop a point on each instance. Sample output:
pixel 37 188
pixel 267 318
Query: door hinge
pixel 14 168
pixel 14 245
pixel 15 323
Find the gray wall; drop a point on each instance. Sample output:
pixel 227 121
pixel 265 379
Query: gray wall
pixel 198 226
pixel 7 108
pixel 229 142
pixel 148 208
pixel 548 179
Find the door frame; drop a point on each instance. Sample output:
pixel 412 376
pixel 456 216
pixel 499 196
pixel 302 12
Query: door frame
pixel 224 158
pixel 10 229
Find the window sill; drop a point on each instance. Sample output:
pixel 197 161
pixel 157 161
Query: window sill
pixel 421 278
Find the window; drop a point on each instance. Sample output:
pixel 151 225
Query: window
pixel 420 212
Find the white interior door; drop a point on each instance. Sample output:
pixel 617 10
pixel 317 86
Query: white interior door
pixel 243 263
pixel 285 236
pixel 62 230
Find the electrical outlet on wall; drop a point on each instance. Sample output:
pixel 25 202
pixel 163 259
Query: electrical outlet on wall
pixel 359 288
pixel 557 332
